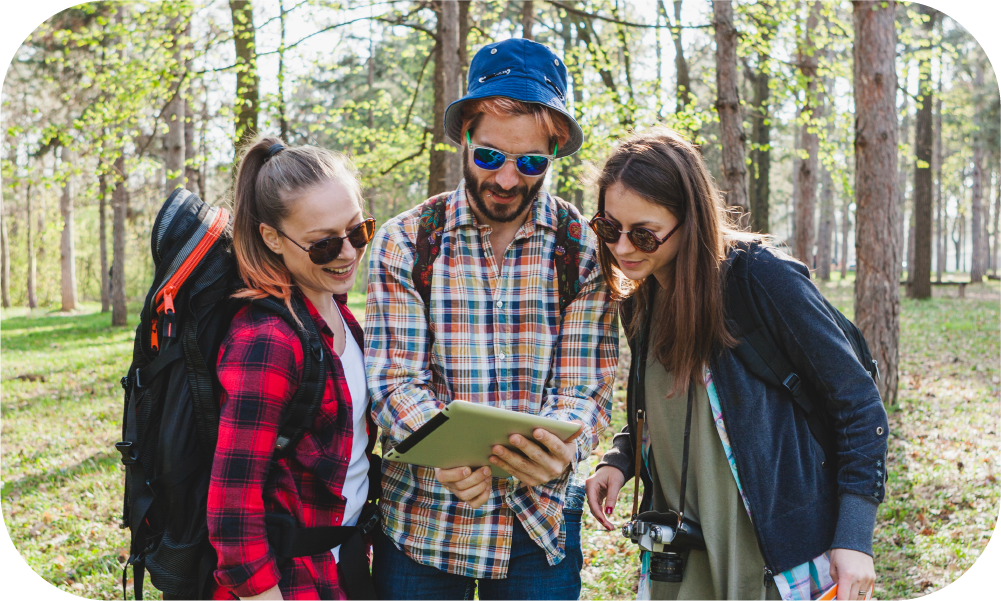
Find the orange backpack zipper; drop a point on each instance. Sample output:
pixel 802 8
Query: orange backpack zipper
pixel 164 300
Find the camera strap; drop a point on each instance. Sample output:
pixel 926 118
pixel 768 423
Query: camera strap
pixel 641 413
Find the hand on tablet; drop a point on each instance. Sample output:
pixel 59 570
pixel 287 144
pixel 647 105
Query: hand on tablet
pixel 540 461
pixel 471 486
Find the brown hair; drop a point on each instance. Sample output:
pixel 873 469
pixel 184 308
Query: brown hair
pixel 265 188
pixel 667 170
pixel 552 123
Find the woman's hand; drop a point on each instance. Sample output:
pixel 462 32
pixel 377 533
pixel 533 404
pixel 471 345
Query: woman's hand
pixel 602 491
pixel 853 572
pixel 272 594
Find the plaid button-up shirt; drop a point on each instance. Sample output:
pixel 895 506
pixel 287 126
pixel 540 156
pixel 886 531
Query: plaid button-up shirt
pixel 260 367
pixel 498 339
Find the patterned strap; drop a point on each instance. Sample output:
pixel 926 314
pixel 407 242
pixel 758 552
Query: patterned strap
pixel 568 244
pixel 429 234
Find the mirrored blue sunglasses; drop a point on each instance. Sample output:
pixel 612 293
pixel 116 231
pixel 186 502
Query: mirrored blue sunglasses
pixel 491 159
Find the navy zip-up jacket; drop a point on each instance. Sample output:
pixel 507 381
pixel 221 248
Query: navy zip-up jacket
pixel 800 505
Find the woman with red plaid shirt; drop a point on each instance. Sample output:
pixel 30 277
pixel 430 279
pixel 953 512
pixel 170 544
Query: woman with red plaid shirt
pixel 298 231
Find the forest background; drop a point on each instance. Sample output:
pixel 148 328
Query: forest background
pixel 106 107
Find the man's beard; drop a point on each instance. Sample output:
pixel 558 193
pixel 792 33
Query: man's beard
pixel 475 190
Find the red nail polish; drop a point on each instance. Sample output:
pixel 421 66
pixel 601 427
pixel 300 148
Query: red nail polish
pixel 608 511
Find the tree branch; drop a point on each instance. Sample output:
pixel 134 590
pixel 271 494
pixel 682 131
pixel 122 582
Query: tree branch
pixel 584 13
pixel 420 151
pixel 417 88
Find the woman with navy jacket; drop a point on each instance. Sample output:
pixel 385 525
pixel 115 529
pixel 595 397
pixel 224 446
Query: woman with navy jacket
pixel 780 515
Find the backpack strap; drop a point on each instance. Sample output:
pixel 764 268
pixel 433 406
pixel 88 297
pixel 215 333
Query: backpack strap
pixel 760 353
pixel 568 244
pixel 307 398
pixel 430 229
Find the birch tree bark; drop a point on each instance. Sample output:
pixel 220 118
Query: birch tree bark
pixel 920 280
pixel 877 291
pixel 67 249
pixel 728 106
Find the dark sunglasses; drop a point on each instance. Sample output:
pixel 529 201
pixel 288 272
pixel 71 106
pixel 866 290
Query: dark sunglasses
pixel 324 251
pixel 491 159
pixel 643 239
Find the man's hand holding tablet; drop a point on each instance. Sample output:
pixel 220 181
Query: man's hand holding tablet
pixel 538 463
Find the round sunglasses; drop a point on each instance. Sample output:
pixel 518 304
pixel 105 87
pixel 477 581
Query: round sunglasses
pixel 491 159
pixel 643 239
pixel 324 251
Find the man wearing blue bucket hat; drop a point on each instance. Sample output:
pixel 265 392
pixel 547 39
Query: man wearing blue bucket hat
pixel 492 294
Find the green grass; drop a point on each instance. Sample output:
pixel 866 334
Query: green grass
pixel 62 481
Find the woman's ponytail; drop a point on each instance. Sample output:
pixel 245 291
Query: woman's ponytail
pixel 270 174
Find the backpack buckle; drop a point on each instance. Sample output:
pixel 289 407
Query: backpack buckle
pixel 125 448
pixel 793 383
pixel 369 525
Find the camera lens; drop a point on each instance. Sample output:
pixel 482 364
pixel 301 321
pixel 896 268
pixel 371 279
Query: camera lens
pixel 666 567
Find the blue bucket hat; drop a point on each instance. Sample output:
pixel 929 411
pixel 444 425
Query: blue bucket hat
pixel 522 70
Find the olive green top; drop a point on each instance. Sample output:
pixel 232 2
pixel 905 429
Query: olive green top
pixel 731 567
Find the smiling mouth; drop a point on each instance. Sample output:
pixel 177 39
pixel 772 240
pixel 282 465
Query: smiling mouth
pixel 338 271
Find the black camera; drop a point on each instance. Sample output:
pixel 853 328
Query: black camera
pixel 665 539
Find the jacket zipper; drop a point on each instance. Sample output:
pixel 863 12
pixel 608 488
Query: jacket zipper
pixel 769 574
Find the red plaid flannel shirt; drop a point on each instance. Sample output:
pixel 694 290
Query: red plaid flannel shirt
pixel 260 365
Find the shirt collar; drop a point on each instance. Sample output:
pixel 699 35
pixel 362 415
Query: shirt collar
pixel 458 214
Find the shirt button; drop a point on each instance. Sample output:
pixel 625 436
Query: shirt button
pixel 501 356
pixel 500 304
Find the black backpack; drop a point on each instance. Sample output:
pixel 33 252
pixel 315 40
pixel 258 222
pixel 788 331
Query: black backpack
pixel 171 418
pixel 760 354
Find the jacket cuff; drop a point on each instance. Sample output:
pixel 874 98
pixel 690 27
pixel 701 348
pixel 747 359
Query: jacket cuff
pixel 619 456
pixel 856 523
pixel 263 579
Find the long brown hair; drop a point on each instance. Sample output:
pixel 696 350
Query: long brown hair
pixel 688 325
pixel 266 186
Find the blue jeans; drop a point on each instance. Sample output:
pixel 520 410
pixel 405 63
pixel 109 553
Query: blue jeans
pixel 529 575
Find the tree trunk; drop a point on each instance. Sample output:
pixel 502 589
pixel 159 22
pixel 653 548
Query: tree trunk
pixel 120 205
pixel 826 230
pixel 996 264
pixel 436 156
pixel 32 272
pixel 452 73
pixel 939 239
pixel 920 280
pixel 4 261
pixel 877 291
pixel 527 19
pixel 728 106
pixel 846 223
pixel 67 250
pixel 102 192
pixel 173 141
pixel 978 225
pixel 683 83
pixel 463 48
pixel 569 189
pixel 761 155
pixel 806 202
pixel 247 80
pixel 903 229
pixel 190 170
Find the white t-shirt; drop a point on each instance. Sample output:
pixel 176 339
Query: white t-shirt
pixel 355 488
